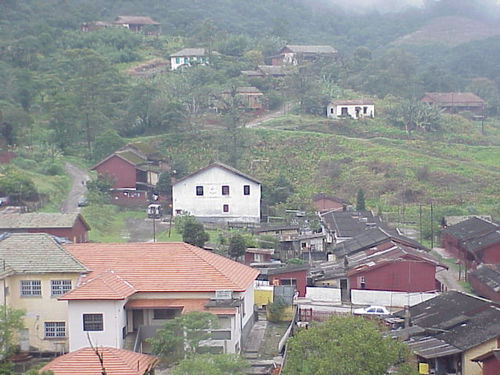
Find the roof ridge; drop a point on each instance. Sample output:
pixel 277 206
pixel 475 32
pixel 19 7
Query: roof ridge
pixel 210 263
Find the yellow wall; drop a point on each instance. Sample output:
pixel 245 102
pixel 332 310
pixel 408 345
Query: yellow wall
pixel 472 368
pixel 285 316
pixel 263 296
pixel 39 310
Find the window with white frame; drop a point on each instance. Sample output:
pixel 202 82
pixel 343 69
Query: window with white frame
pixel 55 329
pixel 93 322
pixel 59 287
pixel 31 288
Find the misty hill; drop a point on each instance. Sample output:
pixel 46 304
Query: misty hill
pixel 451 31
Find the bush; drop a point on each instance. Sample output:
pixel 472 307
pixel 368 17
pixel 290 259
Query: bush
pixel 276 309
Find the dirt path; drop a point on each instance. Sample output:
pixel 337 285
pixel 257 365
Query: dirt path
pixel 78 188
pixel 450 277
pixel 269 116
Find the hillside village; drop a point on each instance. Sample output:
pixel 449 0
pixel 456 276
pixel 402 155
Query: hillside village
pixel 177 196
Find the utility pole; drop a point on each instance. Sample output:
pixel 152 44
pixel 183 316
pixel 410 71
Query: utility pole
pixel 432 227
pixel 420 221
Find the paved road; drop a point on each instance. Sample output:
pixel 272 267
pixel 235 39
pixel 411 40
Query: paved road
pixel 78 188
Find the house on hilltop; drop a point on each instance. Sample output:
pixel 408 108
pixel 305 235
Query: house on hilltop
pixel 356 109
pixel 137 23
pixel 453 102
pixel 218 193
pixel 133 288
pixel 71 226
pixel 188 57
pixel 36 270
pixel 134 171
pixel 293 54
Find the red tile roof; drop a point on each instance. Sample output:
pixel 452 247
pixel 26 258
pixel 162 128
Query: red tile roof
pixel 116 362
pixel 154 267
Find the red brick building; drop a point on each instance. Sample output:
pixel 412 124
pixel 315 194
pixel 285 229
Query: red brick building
pixel 473 241
pixel 71 226
pixel 485 281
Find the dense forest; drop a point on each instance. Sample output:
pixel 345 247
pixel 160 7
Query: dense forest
pixel 67 93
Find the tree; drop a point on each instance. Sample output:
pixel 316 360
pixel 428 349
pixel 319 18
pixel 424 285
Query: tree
pixel 322 349
pixel 360 200
pixel 17 186
pixel 181 336
pixel 195 234
pixel 164 184
pixel 211 364
pixel 11 321
pixel 415 115
pixel 237 246
pixel 106 143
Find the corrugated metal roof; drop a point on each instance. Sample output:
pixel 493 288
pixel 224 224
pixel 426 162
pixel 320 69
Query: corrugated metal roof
pixel 116 362
pixel 189 52
pixel 135 20
pixel 430 347
pixel 454 98
pixel 36 253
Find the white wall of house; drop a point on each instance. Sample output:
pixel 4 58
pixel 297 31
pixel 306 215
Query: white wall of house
pixel 114 320
pixel 177 61
pixel 339 110
pixel 212 204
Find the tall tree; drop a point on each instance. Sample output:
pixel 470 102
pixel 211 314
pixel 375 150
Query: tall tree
pixel 237 246
pixel 11 321
pixel 360 200
pixel 322 349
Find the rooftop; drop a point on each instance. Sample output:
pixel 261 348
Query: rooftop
pixel 116 361
pixel 454 98
pixel 137 20
pixel 189 52
pixel 36 253
pixel 321 49
pixel 39 220
pixel 471 228
pixel 352 102
pixel 221 166
pixel 118 270
pixel 488 274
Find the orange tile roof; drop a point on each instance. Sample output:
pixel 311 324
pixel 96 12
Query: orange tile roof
pixel 116 362
pixel 108 283
pixel 157 267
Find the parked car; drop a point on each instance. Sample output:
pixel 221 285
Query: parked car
pixel 372 310
pixel 82 202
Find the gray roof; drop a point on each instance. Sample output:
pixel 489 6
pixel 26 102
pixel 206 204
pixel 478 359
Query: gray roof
pixel 311 49
pixel 349 223
pixel 35 253
pixel 482 242
pixel 189 52
pixel 38 220
pixel 489 275
pixel 470 228
pixel 352 102
pixel 274 70
pixel 431 347
pixel 135 20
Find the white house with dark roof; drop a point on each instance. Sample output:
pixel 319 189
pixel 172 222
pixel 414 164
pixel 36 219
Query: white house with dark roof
pixel 218 193
pixel 35 270
pixel 293 54
pixel 188 57
pixel 356 109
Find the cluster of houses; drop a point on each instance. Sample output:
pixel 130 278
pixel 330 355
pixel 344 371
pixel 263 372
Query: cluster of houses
pixel 115 296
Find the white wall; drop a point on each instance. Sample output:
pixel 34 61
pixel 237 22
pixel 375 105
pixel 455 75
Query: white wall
pixel 323 294
pixel 394 299
pixel 113 321
pixel 174 64
pixel 209 207
pixel 335 111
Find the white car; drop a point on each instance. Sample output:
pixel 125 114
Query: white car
pixel 372 310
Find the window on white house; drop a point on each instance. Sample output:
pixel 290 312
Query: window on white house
pixel 343 111
pixel 31 288
pixel 365 110
pixel 59 287
pixel 225 208
pixel 55 329
pixel 199 190
pixel 163 314
pixel 225 189
pixel 331 110
pixel 246 189
pixel 93 322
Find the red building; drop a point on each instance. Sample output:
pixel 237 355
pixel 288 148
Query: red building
pixel 254 255
pixel 134 171
pixel 399 271
pixel 71 226
pixel 485 281
pixel 473 241
pixel 323 203
pixel 296 276
pixel 490 361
